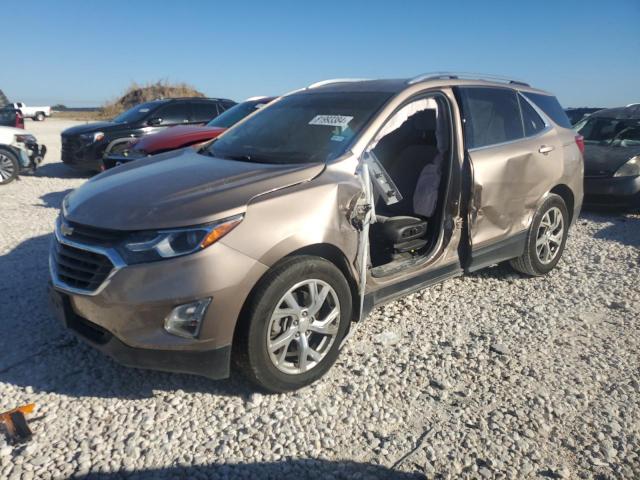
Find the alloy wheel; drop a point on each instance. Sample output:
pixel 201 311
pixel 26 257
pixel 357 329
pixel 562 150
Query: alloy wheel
pixel 303 326
pixel 7 167
pixel 550 235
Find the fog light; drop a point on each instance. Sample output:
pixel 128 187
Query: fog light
pixel 185 320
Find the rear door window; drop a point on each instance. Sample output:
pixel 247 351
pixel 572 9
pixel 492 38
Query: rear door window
pixel 492 116
pixel 533 123
pixel 174 113
pixel 551 107
pixel 205 111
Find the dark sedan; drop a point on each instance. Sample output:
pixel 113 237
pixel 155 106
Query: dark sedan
pixel 612 157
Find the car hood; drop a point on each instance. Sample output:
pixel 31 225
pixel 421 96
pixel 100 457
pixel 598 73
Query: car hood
pixel 93 127
pixel 604 159
pixel 177 189
pixel 14 131
pixel 176 137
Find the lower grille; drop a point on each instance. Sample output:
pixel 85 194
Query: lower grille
pixel 79 268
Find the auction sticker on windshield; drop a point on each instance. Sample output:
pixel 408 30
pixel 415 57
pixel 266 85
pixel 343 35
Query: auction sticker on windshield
pixel 331 120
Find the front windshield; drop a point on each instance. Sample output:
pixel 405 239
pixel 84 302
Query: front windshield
pixel 609 131
pixel 236 113
pixel 300 128
pixel 138 112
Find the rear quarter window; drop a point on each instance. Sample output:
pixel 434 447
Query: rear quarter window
pixel 551 107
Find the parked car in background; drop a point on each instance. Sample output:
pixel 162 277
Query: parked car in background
pixel 36 113
pixel 268 243
pixel 84 146
pixel 184 136
pixel 10 117
pixel 19 151
pixel 577 114
pixel 612 157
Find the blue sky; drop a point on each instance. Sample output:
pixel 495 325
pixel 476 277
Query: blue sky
pixel 82 53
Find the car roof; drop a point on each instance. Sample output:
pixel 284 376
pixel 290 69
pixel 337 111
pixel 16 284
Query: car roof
pixel 629 112
pixel 397 85
pixel 181 99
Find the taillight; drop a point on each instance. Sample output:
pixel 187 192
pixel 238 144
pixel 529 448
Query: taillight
pixel 580 143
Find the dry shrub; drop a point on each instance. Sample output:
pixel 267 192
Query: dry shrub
pixel 136 94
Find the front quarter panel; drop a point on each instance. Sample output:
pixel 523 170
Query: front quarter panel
pixel 314 212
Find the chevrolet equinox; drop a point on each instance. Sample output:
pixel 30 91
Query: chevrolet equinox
pixel 266 247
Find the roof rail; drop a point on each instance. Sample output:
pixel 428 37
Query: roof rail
pixel 464 75
pixel 335 80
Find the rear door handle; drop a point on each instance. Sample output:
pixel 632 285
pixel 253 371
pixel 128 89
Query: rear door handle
pixel 545 149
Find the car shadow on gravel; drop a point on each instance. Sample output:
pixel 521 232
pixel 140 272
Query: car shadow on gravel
pixel 38 354
pixel 621 228
pixel 57 170
pixel 54 199
pixel 295 468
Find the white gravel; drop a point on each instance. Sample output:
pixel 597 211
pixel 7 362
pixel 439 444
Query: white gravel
pixel 487 376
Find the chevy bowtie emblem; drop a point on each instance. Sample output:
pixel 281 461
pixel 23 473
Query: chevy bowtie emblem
pixel 66 229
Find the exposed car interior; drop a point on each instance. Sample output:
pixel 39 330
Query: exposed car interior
pixel 410 158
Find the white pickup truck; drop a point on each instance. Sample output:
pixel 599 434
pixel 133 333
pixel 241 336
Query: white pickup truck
pixel 36 113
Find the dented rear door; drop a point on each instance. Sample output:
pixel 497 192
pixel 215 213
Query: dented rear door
pixel 509 172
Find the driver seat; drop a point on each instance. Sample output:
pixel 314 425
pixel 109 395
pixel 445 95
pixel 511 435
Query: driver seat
pixel 403 234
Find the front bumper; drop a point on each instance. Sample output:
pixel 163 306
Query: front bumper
pixel 212 363
pixel 612 191
pixel 132 302
pixel 30 155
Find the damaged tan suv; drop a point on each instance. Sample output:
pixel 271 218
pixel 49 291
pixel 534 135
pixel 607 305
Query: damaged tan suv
pixel 265 248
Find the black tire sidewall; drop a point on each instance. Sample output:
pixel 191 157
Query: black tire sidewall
pixel 303 268
pixel 12 156
pixel 552 201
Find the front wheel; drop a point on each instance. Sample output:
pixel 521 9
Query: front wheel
pixel 294 324
pixel 546 238
pixel 9 167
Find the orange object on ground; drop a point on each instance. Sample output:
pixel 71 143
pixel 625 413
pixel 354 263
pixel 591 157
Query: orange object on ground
pixel 16 425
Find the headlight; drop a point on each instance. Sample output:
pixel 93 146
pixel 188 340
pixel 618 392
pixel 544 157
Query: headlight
pixel 629 169
pixel 151 246
pixel 92 137
pixel 26 138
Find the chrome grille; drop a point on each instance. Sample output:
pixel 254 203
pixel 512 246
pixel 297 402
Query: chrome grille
pixel 81 269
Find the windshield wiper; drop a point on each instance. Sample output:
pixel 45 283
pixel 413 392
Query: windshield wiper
pixel 239 157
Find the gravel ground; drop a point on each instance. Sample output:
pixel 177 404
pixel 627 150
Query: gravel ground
pixel 487 376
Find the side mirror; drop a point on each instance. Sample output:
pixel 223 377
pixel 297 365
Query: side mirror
pixel 153 122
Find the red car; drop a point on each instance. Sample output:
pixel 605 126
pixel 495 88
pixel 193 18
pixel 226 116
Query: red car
pixel 184 136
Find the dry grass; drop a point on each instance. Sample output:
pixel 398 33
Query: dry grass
pixel 85 116
pixel 136 94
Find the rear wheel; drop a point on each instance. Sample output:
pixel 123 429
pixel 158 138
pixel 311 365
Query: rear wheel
pixel 294 324
pixel 9 167
pixel 39 117
pixel 546 238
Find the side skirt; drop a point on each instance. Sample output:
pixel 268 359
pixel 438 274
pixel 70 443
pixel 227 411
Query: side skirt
pixel 410 285
pixel 507 249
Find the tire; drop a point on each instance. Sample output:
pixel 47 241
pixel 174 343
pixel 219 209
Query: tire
pixel 9 166
pixel 544 246
pixel 282 369
pixel 39 117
